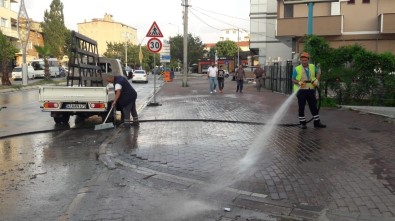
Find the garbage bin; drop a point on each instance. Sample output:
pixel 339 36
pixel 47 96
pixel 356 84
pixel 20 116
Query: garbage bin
pixel 166 76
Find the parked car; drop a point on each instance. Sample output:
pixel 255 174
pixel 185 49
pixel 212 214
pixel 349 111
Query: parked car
pixel 140 76
pixel 17 73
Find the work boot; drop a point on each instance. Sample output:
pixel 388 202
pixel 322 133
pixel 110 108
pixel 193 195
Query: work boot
pixel 318 124
pixel 136 122
pixel 303 125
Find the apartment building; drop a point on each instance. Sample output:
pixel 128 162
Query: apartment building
pixel 9 20
pixel 106 30
pixel 369 23
pixel 35 38
pixel 9 27
pixel 234 34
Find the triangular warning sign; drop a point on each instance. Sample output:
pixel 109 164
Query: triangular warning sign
pixel 154 31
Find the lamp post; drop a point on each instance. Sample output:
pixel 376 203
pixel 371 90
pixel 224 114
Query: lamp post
pixel 238 47
pixel 23 32
pixel 127 37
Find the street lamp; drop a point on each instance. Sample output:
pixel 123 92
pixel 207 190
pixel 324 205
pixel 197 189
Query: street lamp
pixel 127 37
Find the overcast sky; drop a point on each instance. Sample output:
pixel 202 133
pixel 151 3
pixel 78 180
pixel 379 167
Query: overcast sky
pixel 206 17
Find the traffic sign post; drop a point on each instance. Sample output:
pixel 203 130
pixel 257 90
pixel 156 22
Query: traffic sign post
pixel 154 45
pixel 154 31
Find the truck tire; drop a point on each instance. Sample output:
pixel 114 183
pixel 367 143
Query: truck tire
pixel 62 119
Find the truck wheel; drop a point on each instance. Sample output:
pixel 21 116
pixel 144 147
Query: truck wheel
pixel 109 119
pixel 62 119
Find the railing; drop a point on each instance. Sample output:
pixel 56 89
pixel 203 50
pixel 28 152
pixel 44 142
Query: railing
pixel 279 78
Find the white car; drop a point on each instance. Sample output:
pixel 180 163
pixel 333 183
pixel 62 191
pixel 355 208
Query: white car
pixel 140 76
pixel 17 73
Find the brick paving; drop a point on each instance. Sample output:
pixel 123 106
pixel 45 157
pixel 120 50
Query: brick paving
pixel 345 171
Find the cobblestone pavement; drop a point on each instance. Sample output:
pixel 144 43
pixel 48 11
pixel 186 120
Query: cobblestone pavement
pixel 343 172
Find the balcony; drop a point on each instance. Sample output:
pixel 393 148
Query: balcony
pixel 387 23
pixel 10 32
pixel 297 27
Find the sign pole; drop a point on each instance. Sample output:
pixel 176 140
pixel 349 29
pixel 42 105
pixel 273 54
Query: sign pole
pixel 154 103
pixel 154 45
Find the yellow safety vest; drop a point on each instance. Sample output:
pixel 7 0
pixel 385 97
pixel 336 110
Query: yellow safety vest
pixel 301 76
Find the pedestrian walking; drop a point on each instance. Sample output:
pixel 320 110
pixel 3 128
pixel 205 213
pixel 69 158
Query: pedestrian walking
pixel 240 75
pixel 212 73
pixel 125 99
pixel 260 75
pixel 221 78
pixel 305 81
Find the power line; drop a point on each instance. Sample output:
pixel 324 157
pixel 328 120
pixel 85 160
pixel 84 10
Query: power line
pixel 222 14
pixel 204 21
pixel 215 18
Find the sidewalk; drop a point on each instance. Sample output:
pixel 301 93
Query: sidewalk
pixel 193 143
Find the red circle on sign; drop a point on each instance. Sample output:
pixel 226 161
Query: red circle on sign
pixel 154 45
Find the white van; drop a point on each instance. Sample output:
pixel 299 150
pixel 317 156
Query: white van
pixel 38 66
pixel 17 73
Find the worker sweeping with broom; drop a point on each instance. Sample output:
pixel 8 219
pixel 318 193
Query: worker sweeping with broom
pixel 125 99
pixel 305 78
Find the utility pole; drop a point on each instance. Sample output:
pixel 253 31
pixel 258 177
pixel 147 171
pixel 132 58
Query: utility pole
pixel 23 26
pixel 185 43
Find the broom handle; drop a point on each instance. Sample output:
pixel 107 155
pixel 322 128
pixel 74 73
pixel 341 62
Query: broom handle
pixel 108 114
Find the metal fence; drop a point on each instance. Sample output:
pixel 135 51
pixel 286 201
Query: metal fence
pixel 279 78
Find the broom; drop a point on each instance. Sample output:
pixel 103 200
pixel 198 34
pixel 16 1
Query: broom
pixel 105 125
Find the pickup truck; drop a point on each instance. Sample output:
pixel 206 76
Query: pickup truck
pixel 83 101
pixel 87 92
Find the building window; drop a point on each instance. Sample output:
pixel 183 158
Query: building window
pixel 3 22
pixel 365 1
pixel 351 2
pixel 289 11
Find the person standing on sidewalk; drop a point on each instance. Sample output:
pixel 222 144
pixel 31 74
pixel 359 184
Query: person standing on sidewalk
pixel 240 75
pixel 260 75
pixel 212 73
pixel 125 99
pixel 221 79
pixel 304 79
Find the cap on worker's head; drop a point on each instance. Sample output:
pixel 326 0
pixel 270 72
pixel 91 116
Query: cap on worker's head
pixel 304 55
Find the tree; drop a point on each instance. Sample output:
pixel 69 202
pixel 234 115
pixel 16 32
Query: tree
pixel 44 52
pixel 54 30
pixel 117 50
pixel 7 54
pixel 195 49
pixel 226 48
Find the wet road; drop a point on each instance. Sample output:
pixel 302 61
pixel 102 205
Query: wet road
pixel 23 113
pixel 42 172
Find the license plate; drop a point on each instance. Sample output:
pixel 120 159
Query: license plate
pixel 75 106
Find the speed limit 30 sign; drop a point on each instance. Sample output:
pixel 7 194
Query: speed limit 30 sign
pixel 154 45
